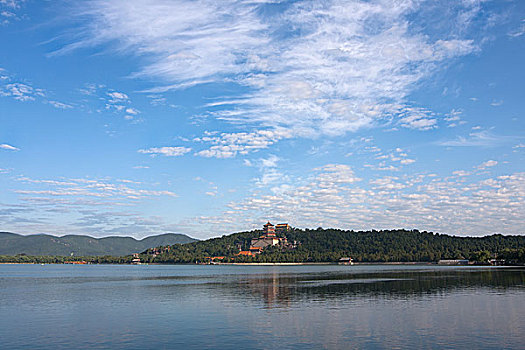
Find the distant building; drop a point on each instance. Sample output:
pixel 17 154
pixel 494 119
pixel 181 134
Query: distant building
pixel 453 262
pixel 269 230
pixel 246 253
pixel 267 239
pixel 346 261
pixel 136 259
pixel 282 228
pixel 497 262
pixel 214 257
pixel 213 260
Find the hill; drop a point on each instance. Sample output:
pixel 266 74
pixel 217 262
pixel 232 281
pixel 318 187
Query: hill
pixel 328 245
pixel 41 244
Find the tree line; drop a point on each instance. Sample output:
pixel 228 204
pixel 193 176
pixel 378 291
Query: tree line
pixel 322 245
pixel 329 245
pixel 57 259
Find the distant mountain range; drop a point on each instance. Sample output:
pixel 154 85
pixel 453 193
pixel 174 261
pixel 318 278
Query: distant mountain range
pixel 42 244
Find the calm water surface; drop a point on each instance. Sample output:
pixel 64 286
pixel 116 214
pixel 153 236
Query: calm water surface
pixel 261 307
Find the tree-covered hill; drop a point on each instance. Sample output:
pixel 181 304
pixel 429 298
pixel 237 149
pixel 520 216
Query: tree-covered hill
pixel 328 245
pixel 12 244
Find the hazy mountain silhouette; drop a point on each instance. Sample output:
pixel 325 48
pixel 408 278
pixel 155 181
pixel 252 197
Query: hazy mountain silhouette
pixel 43 244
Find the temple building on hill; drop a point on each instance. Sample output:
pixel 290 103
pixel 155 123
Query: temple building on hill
pixel 269 237
pixel 269 230
pixel 282 228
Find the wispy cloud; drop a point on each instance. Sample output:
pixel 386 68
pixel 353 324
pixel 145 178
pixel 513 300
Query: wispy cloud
pixel 166 151
pixel 518 32
pixel 487 164
pixel 317 67
pixel 60 105
pixel 7 147
pixel 270 174
pixel 482 138
pixel 103 189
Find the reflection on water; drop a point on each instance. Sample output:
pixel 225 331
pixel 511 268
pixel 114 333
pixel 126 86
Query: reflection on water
pixel 279 289
pixel 258 307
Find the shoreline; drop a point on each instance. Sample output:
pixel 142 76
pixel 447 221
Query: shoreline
pixel 242 264
pixel 281 264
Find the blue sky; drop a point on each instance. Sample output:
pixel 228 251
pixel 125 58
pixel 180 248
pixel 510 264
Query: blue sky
pixel 209 117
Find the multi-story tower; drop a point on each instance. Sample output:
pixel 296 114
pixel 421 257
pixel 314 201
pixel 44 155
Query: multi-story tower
pixel 269 230
pixel 282 228
pixel 268 239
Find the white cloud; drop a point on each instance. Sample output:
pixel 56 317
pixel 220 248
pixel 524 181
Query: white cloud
pixel 387 183
pixel 105 189
pixel 518 147
pixel 461 173
pixel 335 174
pixel 91 89
pixel 518 32
pixel 228 145
pixel 8 147
pixel 115 101
pixel 455 205
pixel 482 138
pixel 488 164
pixel 319 67
pixel 14 4
pixel 398 155
pixel 8 9
pixel 270 162
pixel 407 161
pixel 270 174
pixel 166 151
pixel 60 105
pixel 454 118
pixel 21 92
pixel 417 118
pixel 118 96
pixel 132 111
pixel 6 15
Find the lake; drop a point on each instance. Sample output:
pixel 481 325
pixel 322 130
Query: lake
pixel 261 307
